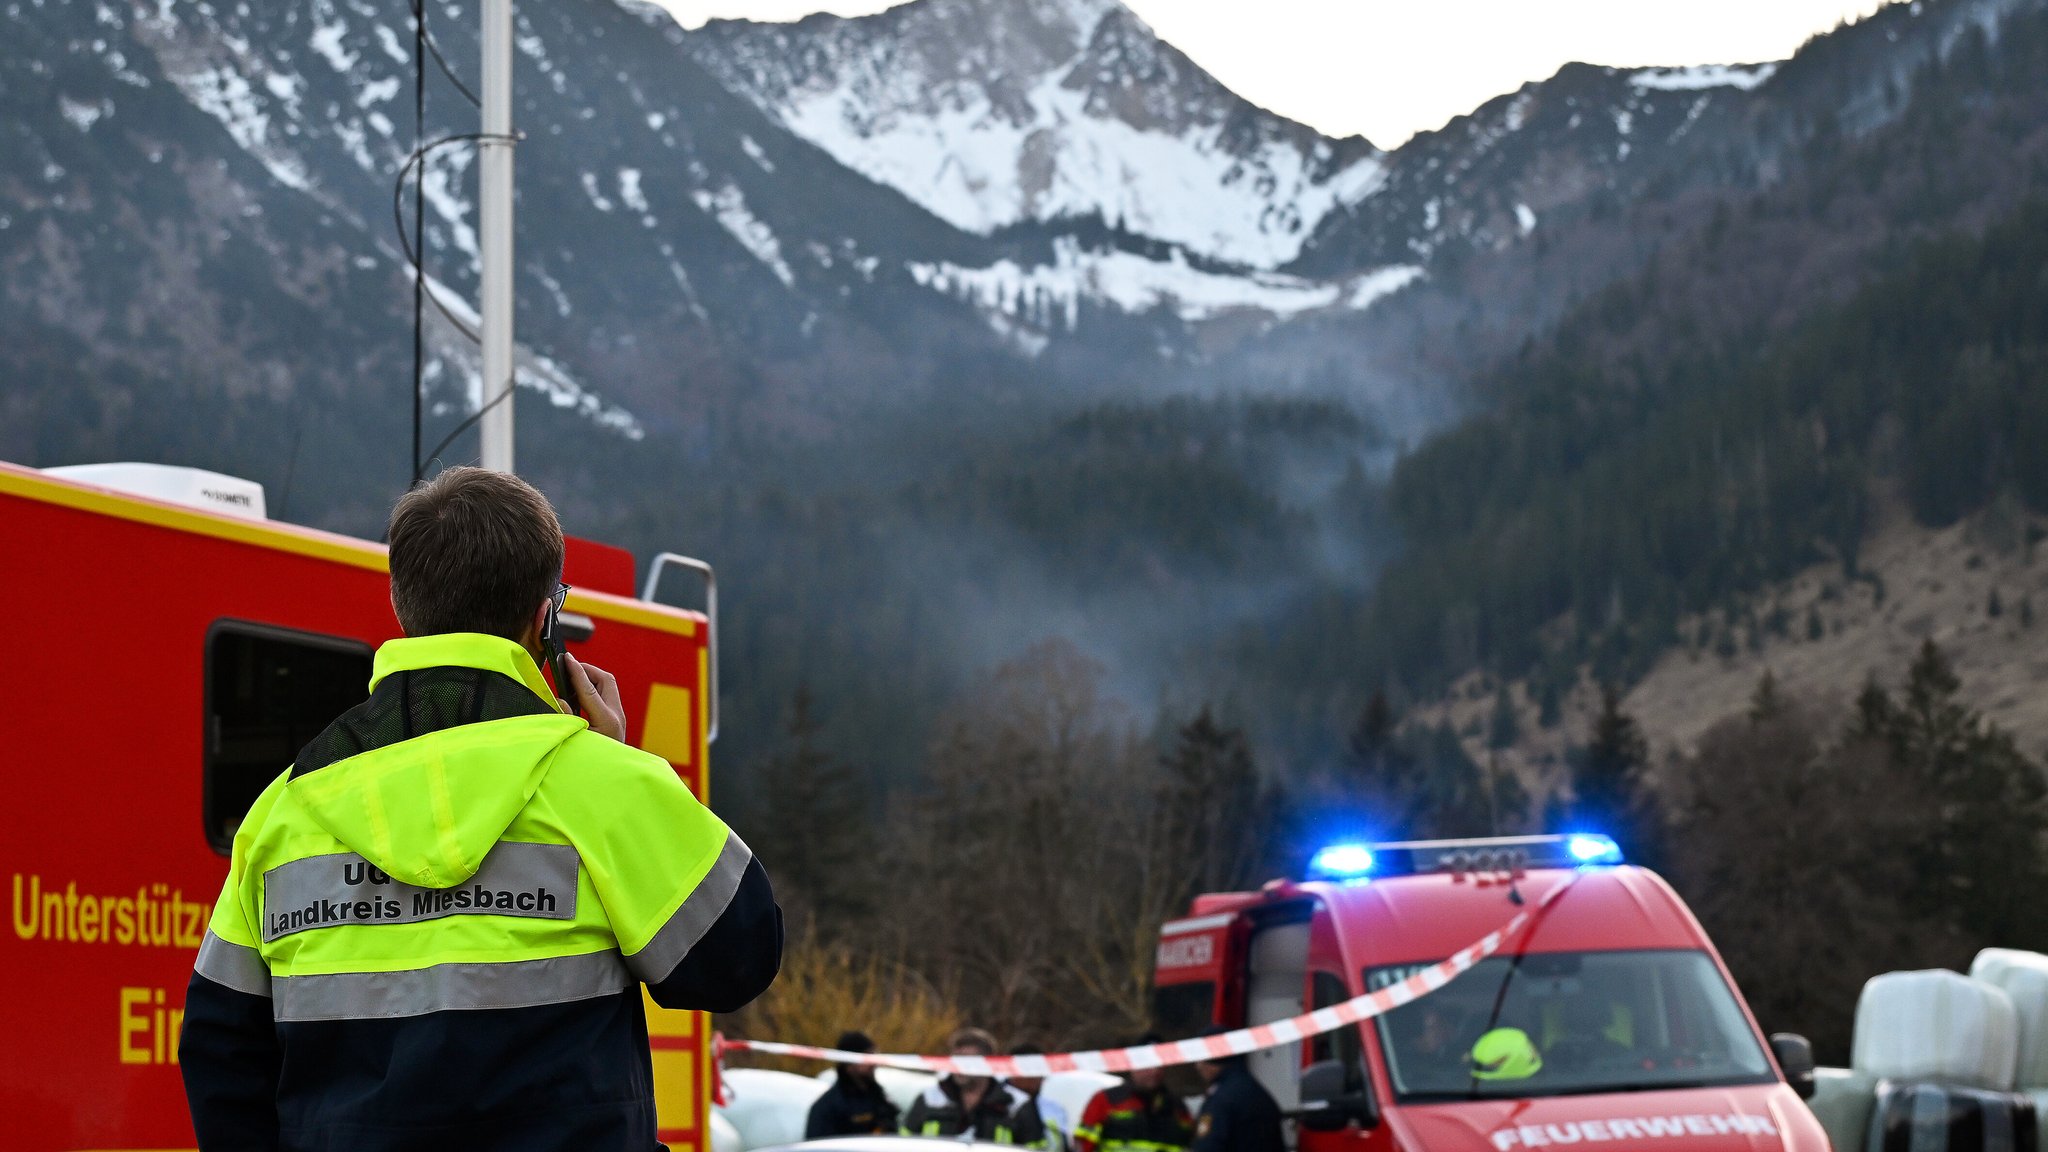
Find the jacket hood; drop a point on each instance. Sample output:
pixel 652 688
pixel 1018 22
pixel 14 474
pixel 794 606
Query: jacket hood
pixel 425 810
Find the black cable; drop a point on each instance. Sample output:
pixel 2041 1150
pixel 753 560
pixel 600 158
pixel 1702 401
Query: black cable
pixel 419 218
pixel 423 45
pixel 414 247
pixel 413 257
pixel 469 423
pixel 434 50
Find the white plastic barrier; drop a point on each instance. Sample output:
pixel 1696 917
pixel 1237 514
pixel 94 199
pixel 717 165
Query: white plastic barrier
pixel 724 1137
pixel 1938 1026
pixel 2023 977
pixel 768 1108
pixel 1842 1102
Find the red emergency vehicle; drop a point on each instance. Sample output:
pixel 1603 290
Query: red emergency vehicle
pixel 1610 1020
pixel 165 662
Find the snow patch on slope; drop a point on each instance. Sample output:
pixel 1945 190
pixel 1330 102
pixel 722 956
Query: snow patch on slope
pixel 1051 295
pixel 442 185
pixel 1380 283
pixel 327 41
pixel 531 370
pixel 728 206
pixel 84 115
pixel 980 170
pixel 629 190
pixel 1696 77
pixel 757 154
pixel 226 95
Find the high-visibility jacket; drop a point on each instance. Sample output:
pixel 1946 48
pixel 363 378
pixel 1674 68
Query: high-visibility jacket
pixel 436 924
pixel 1122 1119
pixel 1005 1115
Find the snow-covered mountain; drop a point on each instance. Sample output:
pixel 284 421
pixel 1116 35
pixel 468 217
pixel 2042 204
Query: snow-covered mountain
pixel 1490 179
pixel 992 113
pixel 757 343
pixel 846 217
pixel 1582 146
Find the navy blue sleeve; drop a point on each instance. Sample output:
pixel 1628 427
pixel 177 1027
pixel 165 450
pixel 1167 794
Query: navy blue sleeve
pixel 230 1058
pixel 1213 1133
pixel 913 1121
pixel 1027 1125
pixel 736 959
pixel 825 1117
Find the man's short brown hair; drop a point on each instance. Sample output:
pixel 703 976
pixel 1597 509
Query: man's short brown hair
pixel 972 1037
pixel 472 551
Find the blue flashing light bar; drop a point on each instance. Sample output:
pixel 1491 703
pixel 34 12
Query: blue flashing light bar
pixel 1354 861
pixel 1591 848
pixel 1342 862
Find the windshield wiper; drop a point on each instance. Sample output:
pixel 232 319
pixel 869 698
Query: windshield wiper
pixel 1661 1086
pixel 1507 979
pixel 1449 1097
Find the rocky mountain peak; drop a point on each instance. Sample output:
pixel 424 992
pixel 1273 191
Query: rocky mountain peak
pixel 991 113
pixel 1129 74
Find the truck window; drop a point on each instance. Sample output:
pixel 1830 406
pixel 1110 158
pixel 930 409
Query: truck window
pixel 1569 1023
pixel 1183 1010
pixel 1327 989
pixel 269 691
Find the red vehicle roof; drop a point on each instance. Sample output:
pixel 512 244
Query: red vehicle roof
pixel 1408 919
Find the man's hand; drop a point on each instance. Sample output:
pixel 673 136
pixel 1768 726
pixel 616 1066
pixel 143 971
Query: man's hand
pixel 598 692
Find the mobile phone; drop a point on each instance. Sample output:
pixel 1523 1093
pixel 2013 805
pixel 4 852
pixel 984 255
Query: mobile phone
pixel 558 661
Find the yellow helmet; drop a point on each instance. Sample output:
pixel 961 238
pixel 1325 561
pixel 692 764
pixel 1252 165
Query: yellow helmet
pixel 1505 1054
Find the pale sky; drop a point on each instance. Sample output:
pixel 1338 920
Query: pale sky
pixel 1391 68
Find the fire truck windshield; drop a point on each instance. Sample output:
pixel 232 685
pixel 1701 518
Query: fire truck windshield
pixel 1569 1023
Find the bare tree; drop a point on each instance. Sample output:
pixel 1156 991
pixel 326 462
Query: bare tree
pixel 1786 844
pixel 1031 852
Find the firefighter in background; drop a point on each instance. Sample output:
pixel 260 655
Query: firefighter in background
pixel 1140 1115
pixel 855 1105
pixel 1051 1112
pixel 1238 1115
pixel 437 922
pixel 980 1108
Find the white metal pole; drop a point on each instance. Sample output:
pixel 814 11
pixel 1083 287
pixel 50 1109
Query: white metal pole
pixel 494 211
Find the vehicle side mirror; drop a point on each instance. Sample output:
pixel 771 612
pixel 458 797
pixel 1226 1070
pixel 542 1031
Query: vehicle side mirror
pixel 1795 1058
pixel 1329 1103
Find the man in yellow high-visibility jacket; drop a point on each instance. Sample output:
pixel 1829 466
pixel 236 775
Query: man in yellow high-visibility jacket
pixel 436 923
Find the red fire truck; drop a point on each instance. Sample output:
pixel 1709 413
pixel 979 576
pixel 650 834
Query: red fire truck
pixel 1609 1019
pixel 166 662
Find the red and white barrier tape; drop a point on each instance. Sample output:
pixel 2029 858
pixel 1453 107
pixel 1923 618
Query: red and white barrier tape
pixel 1237 1043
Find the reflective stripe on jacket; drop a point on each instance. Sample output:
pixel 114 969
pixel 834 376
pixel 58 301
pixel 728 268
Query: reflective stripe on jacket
pixel 435 924
pixel 1005 1115
pixel 1121 1119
